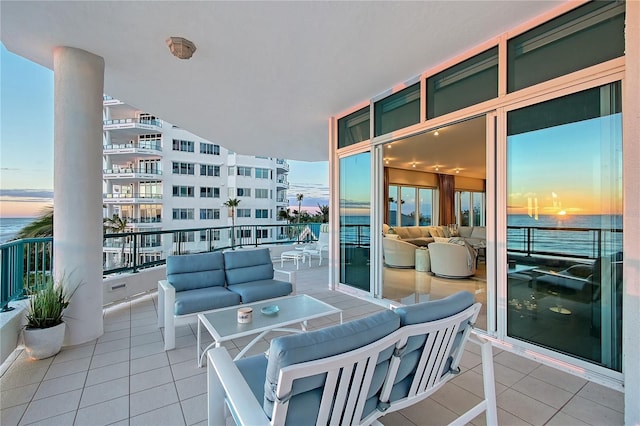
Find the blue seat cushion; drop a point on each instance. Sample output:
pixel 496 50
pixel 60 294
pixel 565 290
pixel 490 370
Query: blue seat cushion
pixel 204 299
pixel 261 290
pixel 254 370
pixel 421 313
pixel 243 266
pixel 192 271
pixel 323 343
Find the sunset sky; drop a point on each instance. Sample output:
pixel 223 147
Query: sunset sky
pixel 26 145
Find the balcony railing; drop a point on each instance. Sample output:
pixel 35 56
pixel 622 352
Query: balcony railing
pixel 147 121
pixel 155 146
pixel 116 170
pixel 24 264
pixel 119 195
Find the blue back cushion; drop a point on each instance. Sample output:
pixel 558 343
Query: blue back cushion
pixel 323 343
pixel 192 271
pixel 421 313
pixel 243 266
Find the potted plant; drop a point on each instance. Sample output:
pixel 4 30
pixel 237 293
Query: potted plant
pixel 44 332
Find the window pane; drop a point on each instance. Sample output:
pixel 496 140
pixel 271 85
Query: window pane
pixel 355 220
pixel 408 206
pixel 564 217
pixel 465 207
pixel 470 82
pixel 397 111
pixel 426 206
pixel 586 36
pixel 353 128
pixel 393 205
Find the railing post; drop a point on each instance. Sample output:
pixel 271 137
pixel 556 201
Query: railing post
pixel 135 251
pixel 528 242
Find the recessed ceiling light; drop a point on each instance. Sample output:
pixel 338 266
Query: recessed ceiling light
pixel 414 165
pixel 437 168
pixel 457 170
pixel 436 133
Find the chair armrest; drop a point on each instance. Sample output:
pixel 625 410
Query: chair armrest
pixel 224 379
pixel 166 294
pixel 291 277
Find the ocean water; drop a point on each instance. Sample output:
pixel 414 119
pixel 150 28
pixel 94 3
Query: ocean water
pixel 10 226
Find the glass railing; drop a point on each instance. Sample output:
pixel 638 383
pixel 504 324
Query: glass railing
pixel 131 195
pixel 116 170
pixel 24 264
pixel 149 121
pixel 155 146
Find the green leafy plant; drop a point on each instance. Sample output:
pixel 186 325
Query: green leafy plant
pixel 47 305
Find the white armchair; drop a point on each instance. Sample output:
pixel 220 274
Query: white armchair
pixel 452 260
pixel 398 253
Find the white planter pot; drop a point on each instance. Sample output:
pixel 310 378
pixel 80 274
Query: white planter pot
pixel 42 343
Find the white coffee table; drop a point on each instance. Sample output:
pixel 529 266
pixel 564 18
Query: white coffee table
pixel 222 324
pixel 295 255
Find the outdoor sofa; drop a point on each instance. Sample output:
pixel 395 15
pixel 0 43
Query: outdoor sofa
pixel 202 282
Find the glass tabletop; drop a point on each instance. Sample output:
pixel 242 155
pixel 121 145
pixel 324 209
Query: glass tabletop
pixel 223 323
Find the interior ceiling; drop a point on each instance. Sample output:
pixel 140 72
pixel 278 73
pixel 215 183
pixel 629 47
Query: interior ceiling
pixel 266 76
pixel 460 147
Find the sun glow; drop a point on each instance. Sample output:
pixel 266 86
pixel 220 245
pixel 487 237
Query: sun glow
pixel 562 213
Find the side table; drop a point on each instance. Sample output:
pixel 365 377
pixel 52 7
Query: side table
pixel 423 260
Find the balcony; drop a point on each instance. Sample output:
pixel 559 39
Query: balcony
pixel 282 182
pixel 126 377
pixel 137 148
pixel 130 173
pixel 282 165
pixel 110 101
pixel 137 125
pixel 131 198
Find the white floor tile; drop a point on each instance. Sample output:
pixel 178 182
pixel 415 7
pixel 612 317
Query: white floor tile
pixel 104 392
pixel 152 399
pixel 192 386
pixel 150 379
pixel 107 373
pixel 17 396
pixel 150 362
pixel 195 409
pixel 61 385
pixel 525 407
pixel 52 406
pixel 105 413
pixel 169 415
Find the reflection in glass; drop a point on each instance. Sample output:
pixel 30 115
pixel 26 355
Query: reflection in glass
pixel 426 206
pixel 408 206
pixel 564 217
pixel 355 220
pixel 393 205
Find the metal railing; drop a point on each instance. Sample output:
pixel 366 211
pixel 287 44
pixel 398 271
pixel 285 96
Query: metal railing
pixel 131 195
pixel 148 121
pixel 24 264
pixel 156 146
pixel 132 170
pixel 579 243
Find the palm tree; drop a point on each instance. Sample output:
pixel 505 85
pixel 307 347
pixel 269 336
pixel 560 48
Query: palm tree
pixel 116 225
pixel 284 215
pixel 324 212
pixel 232 203
pixel 299 197
pixel 42 226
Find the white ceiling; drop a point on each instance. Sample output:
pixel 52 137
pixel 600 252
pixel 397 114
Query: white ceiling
pixel 460 147
pixel 266 76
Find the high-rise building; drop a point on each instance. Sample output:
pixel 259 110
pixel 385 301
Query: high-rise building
pixel 157 176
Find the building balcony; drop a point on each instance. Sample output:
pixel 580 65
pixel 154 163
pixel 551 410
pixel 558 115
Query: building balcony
pixel 110 101
pixel 282 165
pixel 282 183
pixel 282 202
pixel 131 198
pixel 137 148
pixel 130 173
pixel 137 125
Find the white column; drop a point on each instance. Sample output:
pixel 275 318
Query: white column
pixel 77 187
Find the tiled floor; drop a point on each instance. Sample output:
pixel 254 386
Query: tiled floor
pixel 126 378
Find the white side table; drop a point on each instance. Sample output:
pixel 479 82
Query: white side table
pixel 423 261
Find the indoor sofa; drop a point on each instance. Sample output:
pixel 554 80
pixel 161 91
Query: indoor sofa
pixel 201 282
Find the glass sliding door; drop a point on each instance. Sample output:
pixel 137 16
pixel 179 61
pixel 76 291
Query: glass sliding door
pixel 355 220
pixel 564 220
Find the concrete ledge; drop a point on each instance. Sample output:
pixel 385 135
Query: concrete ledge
pixel 11 324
